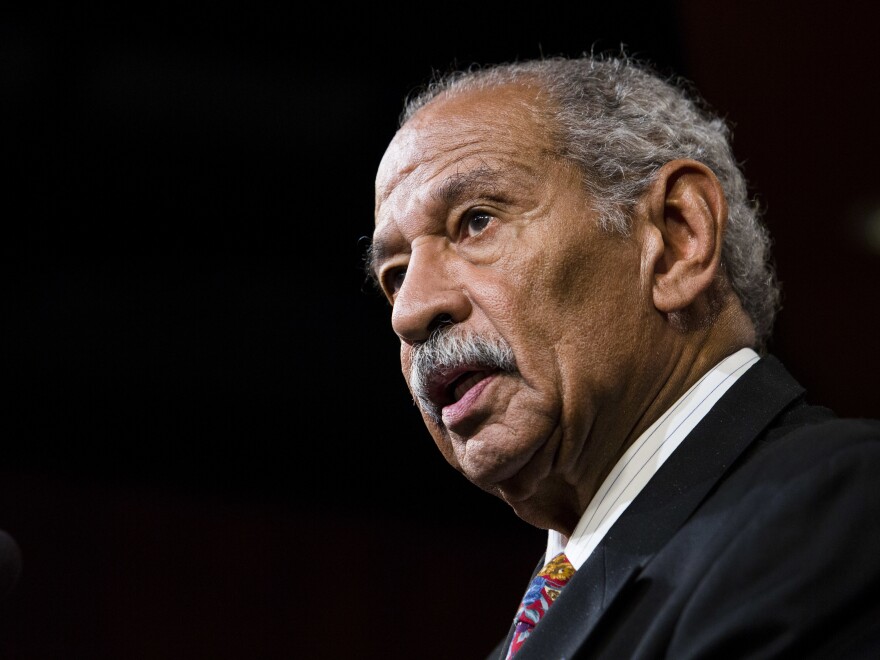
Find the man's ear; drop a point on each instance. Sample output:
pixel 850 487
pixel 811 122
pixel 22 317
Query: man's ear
pixel 687 212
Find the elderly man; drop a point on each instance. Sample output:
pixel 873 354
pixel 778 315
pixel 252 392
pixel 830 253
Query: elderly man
pixel 583 293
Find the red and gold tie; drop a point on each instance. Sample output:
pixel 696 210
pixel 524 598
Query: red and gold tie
pixel 542 591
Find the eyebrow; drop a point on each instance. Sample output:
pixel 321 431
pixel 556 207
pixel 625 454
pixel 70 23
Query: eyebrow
pixel 467 184
pixel 481 181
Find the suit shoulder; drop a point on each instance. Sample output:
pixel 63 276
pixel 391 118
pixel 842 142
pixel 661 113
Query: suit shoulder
pixel 809 434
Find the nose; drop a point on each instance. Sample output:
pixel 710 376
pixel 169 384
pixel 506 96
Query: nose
pixel 430 296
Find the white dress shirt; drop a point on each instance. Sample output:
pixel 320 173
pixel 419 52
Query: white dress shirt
pixel 645 456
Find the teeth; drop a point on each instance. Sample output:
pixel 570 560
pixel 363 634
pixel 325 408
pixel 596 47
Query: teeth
pixel 464 384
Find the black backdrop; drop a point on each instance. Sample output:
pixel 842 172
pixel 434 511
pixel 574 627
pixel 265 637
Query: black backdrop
pixel 190 194
pixel 202 395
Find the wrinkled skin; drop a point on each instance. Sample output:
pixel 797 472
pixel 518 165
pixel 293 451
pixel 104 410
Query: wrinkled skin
pixel 511 249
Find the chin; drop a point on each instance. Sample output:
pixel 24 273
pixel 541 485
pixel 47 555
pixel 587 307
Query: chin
pixel 488 468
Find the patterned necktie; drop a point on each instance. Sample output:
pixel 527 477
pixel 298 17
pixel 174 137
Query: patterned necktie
pixel 542 591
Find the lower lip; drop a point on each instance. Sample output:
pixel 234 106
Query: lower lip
pixel 456 412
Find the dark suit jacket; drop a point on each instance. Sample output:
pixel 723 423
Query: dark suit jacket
pixel 758 538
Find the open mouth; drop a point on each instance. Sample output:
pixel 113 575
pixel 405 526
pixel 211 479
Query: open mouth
pixel 451 387
pixel 463 383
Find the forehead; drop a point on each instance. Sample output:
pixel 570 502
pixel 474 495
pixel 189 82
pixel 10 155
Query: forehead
pixel 499 129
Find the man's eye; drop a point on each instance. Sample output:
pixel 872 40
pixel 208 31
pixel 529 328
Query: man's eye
pixel 394 280
pixel 476 223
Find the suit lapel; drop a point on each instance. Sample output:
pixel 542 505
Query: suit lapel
pixel 663 506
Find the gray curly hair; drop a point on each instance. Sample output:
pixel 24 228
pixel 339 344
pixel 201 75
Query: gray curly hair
pixel 619 120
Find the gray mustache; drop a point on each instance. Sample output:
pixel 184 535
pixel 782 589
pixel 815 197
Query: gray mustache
pixel 447 349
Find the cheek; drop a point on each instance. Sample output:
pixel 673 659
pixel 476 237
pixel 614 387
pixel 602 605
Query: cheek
pixel 544 294
pixel 566 301
pixel 596 279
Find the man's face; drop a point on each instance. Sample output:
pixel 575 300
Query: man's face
pixel 481 232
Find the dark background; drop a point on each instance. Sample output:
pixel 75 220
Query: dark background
pixel 207 448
